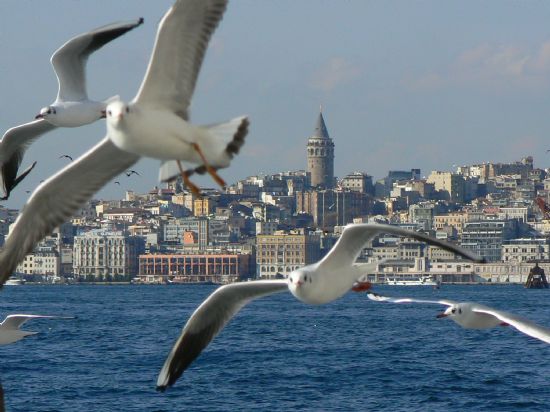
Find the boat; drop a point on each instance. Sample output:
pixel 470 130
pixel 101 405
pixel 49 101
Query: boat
pixel 424 280
pixel 14 282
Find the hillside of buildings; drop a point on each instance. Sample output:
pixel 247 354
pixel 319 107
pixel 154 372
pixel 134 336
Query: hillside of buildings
pixel 265 226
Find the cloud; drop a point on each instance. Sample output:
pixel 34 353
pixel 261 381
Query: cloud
pixel 334 73
pixel 499 67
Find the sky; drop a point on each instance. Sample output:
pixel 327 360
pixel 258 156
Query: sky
pixel 403 84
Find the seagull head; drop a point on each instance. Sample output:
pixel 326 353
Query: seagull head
pixel 116 112
pixel 300 283
pixel 46 112
pixel 453 311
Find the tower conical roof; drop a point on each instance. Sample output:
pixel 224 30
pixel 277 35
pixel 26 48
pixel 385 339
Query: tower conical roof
pixel 320 128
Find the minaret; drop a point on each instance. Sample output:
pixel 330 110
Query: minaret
pixel 320 156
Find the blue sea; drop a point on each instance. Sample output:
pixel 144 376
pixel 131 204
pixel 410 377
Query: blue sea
pixel 277 354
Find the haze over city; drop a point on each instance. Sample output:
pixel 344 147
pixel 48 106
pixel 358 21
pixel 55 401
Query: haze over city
pixel 403 84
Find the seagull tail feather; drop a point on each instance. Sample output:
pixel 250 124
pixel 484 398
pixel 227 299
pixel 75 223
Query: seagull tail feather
pixel 229 135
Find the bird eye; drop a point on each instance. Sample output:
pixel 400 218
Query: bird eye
pixel 453 311
pixel 49 111
pixel 291 278
pixel 109 113
pixel 305 278
pixel 127 109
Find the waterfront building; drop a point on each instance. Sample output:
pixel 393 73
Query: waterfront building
pixel 193 268
pixel 526 250
pixel 282 252
pixel 40 263
pixel 106 255
pixel 320 156
pixel 27 265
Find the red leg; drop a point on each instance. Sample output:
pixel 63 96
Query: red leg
pixel 185 176
pixel 211 171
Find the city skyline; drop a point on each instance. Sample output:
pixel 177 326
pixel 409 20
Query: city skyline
pixel 390 98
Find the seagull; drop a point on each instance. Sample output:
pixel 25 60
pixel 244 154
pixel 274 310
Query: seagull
pixel 10 331
pixel 155 123
pixel 117 183
pixel 66 156
pixel 71 108
pixel 161 104
pixel 317 283
pixel 131 172
pixel 472 315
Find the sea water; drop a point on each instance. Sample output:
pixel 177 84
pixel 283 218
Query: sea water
pixel 277 354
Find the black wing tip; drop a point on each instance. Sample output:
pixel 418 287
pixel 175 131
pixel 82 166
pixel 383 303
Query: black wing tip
pixel 238 139
pixel 140 21
pixel 161 388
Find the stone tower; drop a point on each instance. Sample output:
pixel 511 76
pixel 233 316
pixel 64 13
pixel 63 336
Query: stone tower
pixel 320 156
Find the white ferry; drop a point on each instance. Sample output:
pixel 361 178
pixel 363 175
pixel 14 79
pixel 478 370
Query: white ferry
pixel 424 280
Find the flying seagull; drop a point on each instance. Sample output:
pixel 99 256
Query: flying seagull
pixel 155 123
pixel 71 108
pixel 317 283
pixel 472 315
pixel 161 103
pixel 10 331
pixel 131 172
pixel 66 156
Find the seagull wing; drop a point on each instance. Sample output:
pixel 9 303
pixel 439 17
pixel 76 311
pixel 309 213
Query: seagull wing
pixel 69 60
pixel 13 145
pixel 182 39
pixel 523 325
pixel 59 197
pixel 15 321
pixel 208 320
pixel 381 298
pixel 355 236
pixel 9 187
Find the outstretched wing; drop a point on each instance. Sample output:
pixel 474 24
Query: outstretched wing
pixel 59 197
pixel 182 39
pixel 69 60
pixel 523 325
pixel 355 236
pixel 16 320
pixel 13 145
pixel 208 320
pixel 381 298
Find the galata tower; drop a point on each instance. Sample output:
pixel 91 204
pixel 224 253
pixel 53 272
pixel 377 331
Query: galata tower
pixel 320 156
